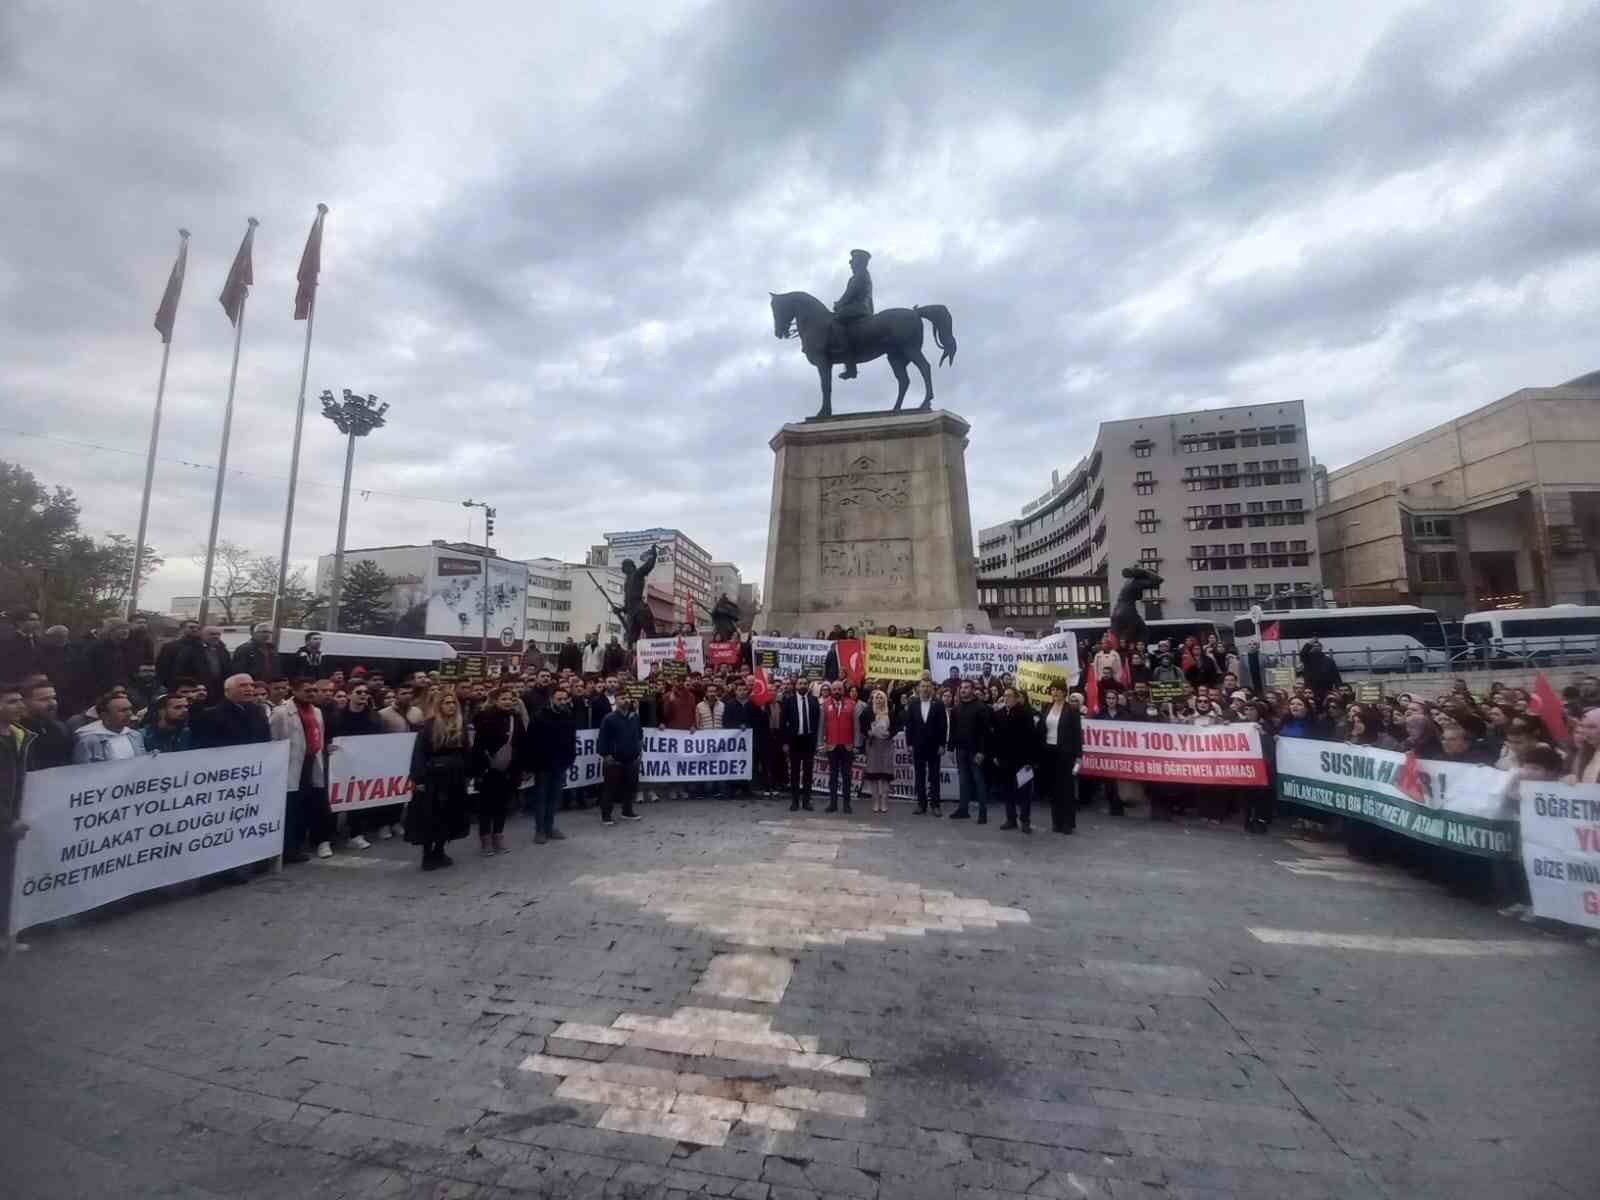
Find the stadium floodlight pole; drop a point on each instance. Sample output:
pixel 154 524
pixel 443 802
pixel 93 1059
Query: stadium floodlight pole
pixel 356 417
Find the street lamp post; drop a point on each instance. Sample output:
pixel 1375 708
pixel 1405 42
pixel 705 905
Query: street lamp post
pixel 488 533
pixel 356 417
pixel 1344 543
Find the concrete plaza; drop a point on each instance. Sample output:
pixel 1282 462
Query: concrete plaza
pixel 725 999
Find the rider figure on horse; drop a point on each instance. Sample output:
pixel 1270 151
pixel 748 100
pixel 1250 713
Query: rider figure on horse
pixel 855 304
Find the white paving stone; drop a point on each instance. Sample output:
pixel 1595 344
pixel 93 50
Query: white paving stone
pixel 760 977
pixel 678 1127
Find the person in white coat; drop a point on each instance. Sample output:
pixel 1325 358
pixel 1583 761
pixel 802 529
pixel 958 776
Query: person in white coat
pixel 298 721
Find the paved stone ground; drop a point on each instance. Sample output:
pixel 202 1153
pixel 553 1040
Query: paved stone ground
pixel 725 1001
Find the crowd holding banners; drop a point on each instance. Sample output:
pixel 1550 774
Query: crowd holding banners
pixel 650 651
pixel 897 658
pixel 985 738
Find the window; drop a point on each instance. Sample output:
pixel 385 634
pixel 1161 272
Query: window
pixel 1252 468
pixel 1283 589
pixel 1274 505
pixel 1232 509
pixel 1291 464
pixel 1432 528
pixel 1280 547
pixel 1254 506
pixel 1191 472
pixel 1294 505
pixel 1286 435
pixel 1269 464
pixel 1298 546
pixel 1143 449
pixel 1263 589
pixel 1147 520
pixel 1437 567
pixel 1269 437
pixel 1225 440
pixel 1230 468
pixel 1236 548
pixel 1212 471
pixel 1258 547
pixel 1150 554
pixel 1241 589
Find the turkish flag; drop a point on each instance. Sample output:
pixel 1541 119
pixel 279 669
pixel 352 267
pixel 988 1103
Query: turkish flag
pixel 1546 705
pixel 1269 633
pixel 761 688
pixel 852 660
pixel 680 651
pixel 688 608
pixel 1091 698
pixel 1408 778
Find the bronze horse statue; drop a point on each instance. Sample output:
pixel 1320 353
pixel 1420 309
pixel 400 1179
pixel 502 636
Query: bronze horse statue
pixel 895 333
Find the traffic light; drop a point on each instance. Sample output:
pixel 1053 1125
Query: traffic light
pixel 488 523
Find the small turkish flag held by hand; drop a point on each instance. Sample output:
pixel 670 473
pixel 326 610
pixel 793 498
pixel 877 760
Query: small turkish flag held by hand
pixel 852 660
pixel 761 688
pixel 1546 705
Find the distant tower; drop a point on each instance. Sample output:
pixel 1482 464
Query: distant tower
pixel 1319 484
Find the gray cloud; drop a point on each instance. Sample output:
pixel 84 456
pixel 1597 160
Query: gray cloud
pixel 553 233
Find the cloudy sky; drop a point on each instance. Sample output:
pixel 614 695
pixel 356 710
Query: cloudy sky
pixel 554 228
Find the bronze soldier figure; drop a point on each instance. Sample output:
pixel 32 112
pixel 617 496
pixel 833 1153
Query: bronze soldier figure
pixel 854 305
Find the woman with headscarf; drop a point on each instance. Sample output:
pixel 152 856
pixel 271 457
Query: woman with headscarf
pixel 437 812
pixel 878 727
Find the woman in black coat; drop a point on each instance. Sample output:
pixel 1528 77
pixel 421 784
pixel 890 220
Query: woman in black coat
pixel 498 733
pixel 440 765
pixel 1014 743
pixel 1060 745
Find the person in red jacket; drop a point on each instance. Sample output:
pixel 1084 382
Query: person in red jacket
pixel 839 736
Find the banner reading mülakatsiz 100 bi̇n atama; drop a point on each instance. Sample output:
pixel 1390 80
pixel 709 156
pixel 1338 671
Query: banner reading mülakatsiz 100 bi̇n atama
pixel 100 831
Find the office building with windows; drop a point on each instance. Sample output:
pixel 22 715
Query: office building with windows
pixel 550 606
pixel 1499 508
pixel 1217 502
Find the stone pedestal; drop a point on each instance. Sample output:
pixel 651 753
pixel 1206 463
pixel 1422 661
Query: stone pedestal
pixel 870 525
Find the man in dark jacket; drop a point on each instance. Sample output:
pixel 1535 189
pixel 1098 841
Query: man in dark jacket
pixel 927 731
pixel 237 720
pixel 615 659
pixel 53 741
pixel 167 657
pixel 258 658
pixel 1014 742
pixel 969 738
pixel 19 644
pixel 552 748
pixel 619 744
pixel 739 713
pixel 308 659
pixel 569 657
pixel 801 718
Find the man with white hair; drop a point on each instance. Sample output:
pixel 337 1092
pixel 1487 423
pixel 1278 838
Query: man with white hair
pixel 258 658
pixel 235 720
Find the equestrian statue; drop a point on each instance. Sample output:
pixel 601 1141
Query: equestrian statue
pixel 1126 623
pixel 853 333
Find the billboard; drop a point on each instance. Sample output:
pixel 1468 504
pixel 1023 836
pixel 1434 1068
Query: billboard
pixel 456 598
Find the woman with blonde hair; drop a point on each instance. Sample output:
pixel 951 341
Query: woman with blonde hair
pixel 879 726
pixel 440 764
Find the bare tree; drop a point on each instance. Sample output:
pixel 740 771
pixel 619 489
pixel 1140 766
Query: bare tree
pixel 231 577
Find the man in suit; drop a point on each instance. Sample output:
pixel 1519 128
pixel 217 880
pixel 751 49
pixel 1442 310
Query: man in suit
pixel 802 716
pixel 927 730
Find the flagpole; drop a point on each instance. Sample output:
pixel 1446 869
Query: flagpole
pixel 222 464
pixel 294 476
pixel 149 480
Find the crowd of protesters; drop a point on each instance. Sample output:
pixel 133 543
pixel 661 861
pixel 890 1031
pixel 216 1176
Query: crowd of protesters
pixel 488 747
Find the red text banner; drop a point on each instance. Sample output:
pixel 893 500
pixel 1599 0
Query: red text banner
pixel 1228 755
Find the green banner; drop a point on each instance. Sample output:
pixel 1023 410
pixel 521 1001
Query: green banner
pixel 1457 806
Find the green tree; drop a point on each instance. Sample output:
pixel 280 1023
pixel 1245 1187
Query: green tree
pixel 297 604
pixel 48 564
pixel 366 599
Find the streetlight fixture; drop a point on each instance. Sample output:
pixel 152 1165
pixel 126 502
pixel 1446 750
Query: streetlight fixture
pixel 355 417
pixel 488 533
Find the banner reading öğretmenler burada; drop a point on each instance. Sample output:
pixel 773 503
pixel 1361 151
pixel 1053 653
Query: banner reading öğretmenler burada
pixel 100 831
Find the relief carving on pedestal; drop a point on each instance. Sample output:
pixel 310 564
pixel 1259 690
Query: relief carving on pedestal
pixel 865 488
pixel 885 559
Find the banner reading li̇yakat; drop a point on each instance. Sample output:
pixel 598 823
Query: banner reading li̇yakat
pixel 1561 850
pixel 1195 754
pixel 789 656
pixel 98 832
pixel 893 657
pixel 972 654
pixel 1458 806
pixel 369 771
pixel 652 651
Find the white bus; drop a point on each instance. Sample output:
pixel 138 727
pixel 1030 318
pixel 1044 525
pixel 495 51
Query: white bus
pixel 1565 633
pixel 1387 637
